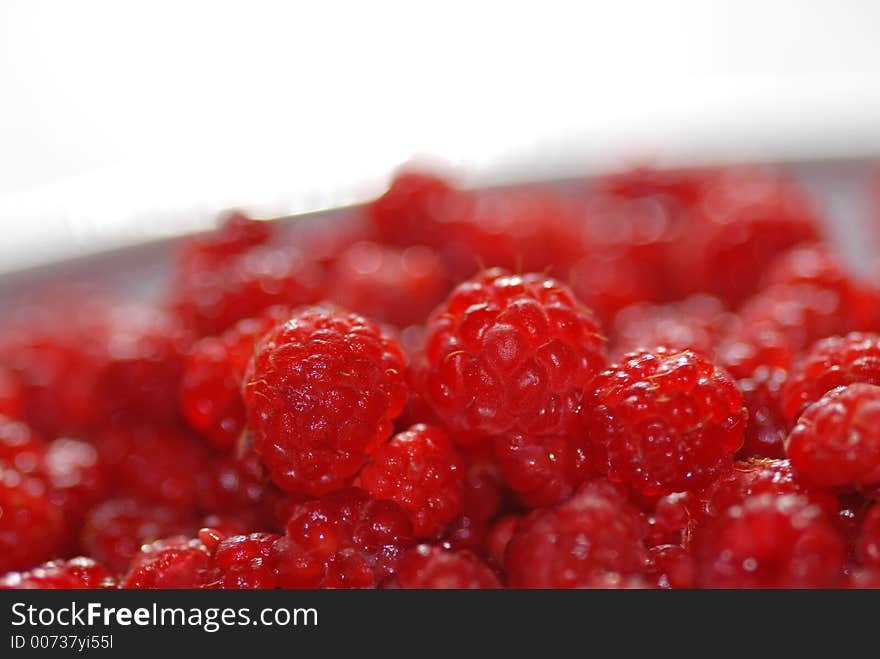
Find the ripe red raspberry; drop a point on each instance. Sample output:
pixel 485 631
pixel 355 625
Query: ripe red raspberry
pixel 543 470
pixel 172 563
pixel 751 478
pixel 210 390
pixel 320 393
pixel 593 539
pixel 342 540
pixel 140 370
pixel 665 421
pixel 696 323
pixel 836 442
pixel 831 363
pixel 745 219
pixel 421 471
pixel 242 562
pixel 78 573
pixel 868 544
pixel 672 566
pixel 387 285
pixel 11 394
pixel 31 527
pixel 154 463
pixel 114 531
pixel 769 541
pixel 509 353
pixel 436 568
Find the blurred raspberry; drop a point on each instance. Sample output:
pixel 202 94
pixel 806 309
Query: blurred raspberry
pixel 436 568
pixel 172 563
pixel 78 480
pixel 78 573
pixel 420 470
pixel 593 539
pixel 320 393
pixel 769 541
pixel 766 427
pixel 210 390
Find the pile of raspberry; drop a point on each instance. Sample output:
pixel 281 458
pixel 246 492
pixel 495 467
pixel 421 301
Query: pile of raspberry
pixel 655 379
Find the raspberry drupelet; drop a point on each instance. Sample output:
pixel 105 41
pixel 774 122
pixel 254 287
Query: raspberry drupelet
pixel 210 390
pixel 510 353
pixel 831 363
pixel 438 568
pixel 420 470
pixel 769 541
pixel 665 421
pixel 343 540
pixel 78 573
pixel 171 563
pixel 321 393
pixel 594 539
pixel 836 442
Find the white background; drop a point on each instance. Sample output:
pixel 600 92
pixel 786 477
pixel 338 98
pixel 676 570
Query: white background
pixel 123 121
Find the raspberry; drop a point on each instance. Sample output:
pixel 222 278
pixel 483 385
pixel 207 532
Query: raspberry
pixel 744 221
pixel 388 285
pixel 242 562
pixel 836 442
pixel 421 471
pixel 114 531
pixel 76 573
pixel 543 470
pixel 672 566
pixel 210 390
pixel 766 427
pixel 508 353
pixel 154 463
pixel 11 394
pixel 868 545
pixel 343 540
pixel 172 563
pixel 665 421
pixel 831 363
pixel 696 323
pixel 755 477
pixel 31 527
pixel 769 541
pixel 320 393
pixel 593 539
pixel 436 568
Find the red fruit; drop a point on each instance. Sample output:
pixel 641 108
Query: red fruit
pixel 745 220
pixel 172 563
pixel 115 530
pixel 594 539
pixel 436 568
pixel 234 486
pixel 242 562
pixel 154 463
pixel 11 395
pixel 421 471
pixel 31 527
pixel 836 442
pixel 769 541
pixel 77 479
pixel 543 470
pixel 696 323
pixel 482 497
pixel 831 363
pixel 766 428
pixel 508 353
pixel 343 540
pixel 751 478
pixel 665 421
pixel 320 393
pixel 868 544
pixel 389 285
pixel 78 573
pixel 210 390
pixel 236 233
pixel 672 566
pixel 608 282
